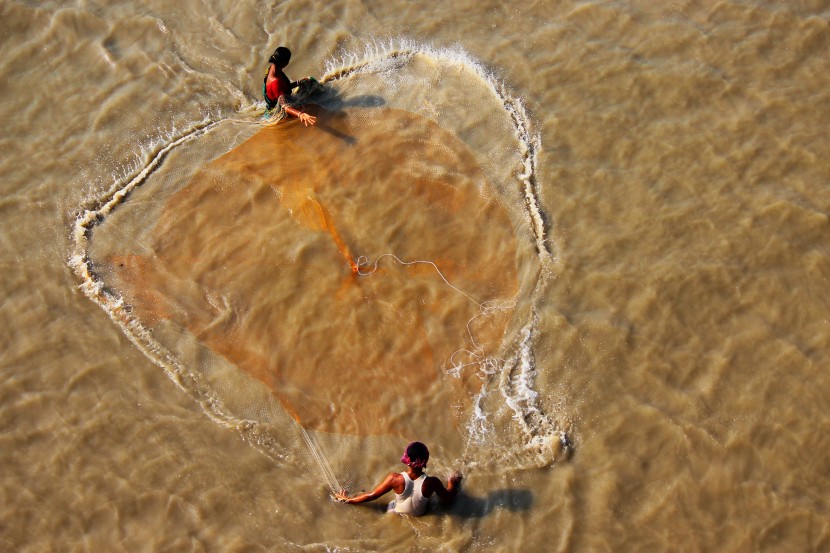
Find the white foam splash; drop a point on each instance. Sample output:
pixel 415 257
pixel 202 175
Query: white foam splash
pixel 543 440
pixel 543 437
pixel 381 57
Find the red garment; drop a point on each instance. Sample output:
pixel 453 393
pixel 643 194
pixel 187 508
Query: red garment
pixel 278 87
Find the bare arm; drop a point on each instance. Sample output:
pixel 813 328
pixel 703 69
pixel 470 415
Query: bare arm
pixel 434 485
pixel 387 485
pixel 301 115
pixel 306 118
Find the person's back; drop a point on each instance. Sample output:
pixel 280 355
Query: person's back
pixel 276 86
pixel 412 501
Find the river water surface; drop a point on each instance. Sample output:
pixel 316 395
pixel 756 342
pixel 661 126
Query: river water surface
pixel 618 328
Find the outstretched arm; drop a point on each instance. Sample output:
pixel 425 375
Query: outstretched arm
pixel 301 115
pixel 382 488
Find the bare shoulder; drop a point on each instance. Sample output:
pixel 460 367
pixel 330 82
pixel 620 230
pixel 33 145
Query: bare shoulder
pixel 395 482
pixel 431 484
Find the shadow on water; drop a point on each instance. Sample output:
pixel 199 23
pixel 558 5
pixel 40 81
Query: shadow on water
pixel 334 102
pixel 467 506
pixel 325 127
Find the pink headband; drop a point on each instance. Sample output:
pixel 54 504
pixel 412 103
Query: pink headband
pixel 416 455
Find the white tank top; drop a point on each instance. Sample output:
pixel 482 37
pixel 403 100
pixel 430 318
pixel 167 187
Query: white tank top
pixel 411 501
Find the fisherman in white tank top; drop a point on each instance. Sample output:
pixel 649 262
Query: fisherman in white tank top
pixel 412 487
pixel 412 500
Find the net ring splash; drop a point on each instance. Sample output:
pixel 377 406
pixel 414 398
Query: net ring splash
pixel 171 287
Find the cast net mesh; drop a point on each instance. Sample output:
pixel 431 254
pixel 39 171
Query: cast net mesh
pixel 335 292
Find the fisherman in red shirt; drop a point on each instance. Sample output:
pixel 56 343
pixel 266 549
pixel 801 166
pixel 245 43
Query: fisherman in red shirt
pixel 276 87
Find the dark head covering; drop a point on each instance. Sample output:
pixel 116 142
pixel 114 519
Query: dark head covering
pixel 281 56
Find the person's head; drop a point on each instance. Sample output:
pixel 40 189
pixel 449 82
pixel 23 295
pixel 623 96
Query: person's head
pixel 416 455
pixel 280 57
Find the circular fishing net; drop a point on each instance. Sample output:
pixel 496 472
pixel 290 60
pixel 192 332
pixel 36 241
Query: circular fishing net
pixel 336 291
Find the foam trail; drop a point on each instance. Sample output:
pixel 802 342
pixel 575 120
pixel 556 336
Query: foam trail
pixel 379 58
pixel 190 382
pixel 542 436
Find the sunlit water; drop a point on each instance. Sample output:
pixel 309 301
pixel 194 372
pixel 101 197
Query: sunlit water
pixel 676 327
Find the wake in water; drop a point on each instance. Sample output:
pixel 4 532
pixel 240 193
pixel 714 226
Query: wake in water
pixel 443 308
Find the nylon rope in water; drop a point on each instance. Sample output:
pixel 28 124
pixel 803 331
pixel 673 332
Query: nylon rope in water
pixel 487 365
pixel 484 307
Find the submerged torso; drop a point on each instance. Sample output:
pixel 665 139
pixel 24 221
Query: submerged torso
pixel 411 501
